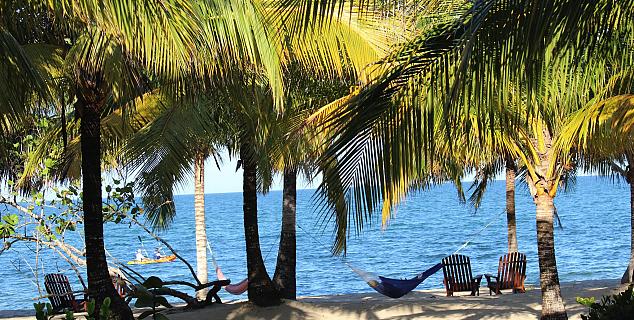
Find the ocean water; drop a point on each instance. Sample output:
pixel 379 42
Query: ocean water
pixel 592 243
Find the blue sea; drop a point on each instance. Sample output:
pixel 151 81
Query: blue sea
pixel 592 243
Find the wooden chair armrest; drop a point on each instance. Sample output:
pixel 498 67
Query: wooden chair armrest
pixel 477 279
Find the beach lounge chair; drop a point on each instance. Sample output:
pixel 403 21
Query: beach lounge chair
pixel 61 295
pixel 511 274
pixel 456 269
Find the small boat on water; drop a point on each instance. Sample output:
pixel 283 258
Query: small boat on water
pixel 169 258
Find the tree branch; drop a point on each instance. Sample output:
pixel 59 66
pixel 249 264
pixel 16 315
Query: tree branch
pixel 618 169
pixel 191 269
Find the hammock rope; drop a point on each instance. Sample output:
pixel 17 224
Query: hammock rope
pixel 237 288
pixel 396 288
pixel 393 288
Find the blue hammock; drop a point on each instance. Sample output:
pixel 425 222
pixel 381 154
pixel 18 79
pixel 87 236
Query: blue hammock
pixel 396 288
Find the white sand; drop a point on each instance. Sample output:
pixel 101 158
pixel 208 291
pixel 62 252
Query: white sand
pixel 429 304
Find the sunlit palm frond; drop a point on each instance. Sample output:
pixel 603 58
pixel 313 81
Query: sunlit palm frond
pixel 162 152
pixel 600 135
pixel 495 54
pixel 20 79
pixel 177 40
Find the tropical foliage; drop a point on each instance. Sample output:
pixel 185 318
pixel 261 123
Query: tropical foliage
pixel 380 98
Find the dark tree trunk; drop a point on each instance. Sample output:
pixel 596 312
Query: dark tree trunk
pixel 99 281
pixel 510 205
pixel 199 219
pixel 261 290
pixel 285 278
pixel 628 276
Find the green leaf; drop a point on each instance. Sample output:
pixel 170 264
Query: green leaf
pixel 140 291
pixel 588 301
pixel 11 219
pixel 90 307
pixel 48 162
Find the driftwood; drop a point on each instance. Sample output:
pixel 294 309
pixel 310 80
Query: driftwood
pixel 74 257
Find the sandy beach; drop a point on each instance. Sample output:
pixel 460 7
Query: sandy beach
pixel 428 304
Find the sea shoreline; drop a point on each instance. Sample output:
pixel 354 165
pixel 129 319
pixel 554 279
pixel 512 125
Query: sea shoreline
pixel 423 304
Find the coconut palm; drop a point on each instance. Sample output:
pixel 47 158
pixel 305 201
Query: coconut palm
pixel 471 63
pixel 108 61
pixel 155 149
pixel 295 151
pixel 259 136
pixel 488 172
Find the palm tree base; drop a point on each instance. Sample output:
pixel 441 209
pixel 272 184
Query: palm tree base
pixel 628 276
pixel 264 296
pixel 554 316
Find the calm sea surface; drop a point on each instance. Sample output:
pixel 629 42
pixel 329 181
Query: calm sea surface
pixel 593 243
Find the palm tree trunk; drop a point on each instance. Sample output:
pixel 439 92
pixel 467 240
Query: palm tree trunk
pixel 99 281
pixel 543 191
pixel 199 218
pixel 510 205
pixel 285 278
pixel 552 302
pixel 628 276
pixel 261 290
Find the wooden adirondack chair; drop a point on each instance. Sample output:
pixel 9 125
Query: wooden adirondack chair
pixel 61 294
pixel 511 274
pixel 456 269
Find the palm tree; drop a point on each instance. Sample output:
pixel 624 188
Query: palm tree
pixel 284 277
pixel 155 148
pixel 199 218
pixel 470 62
pixel 108 58
pixel 267 135
pixel 511 170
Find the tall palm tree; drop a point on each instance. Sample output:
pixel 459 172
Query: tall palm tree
pixel 511 223
pixel 267 134
pixel 108 58
pixel 470 62
pixel 295 151
pixel 199 218
pixel 284 277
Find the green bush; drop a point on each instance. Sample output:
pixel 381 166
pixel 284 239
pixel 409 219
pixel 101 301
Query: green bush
pixel 613 307
pixel 44 311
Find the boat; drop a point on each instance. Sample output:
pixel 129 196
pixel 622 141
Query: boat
pixel 169 258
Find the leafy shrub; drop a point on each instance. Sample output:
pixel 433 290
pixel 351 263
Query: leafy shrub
pixel 44 311
pixel 613 307
pixel 146 295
